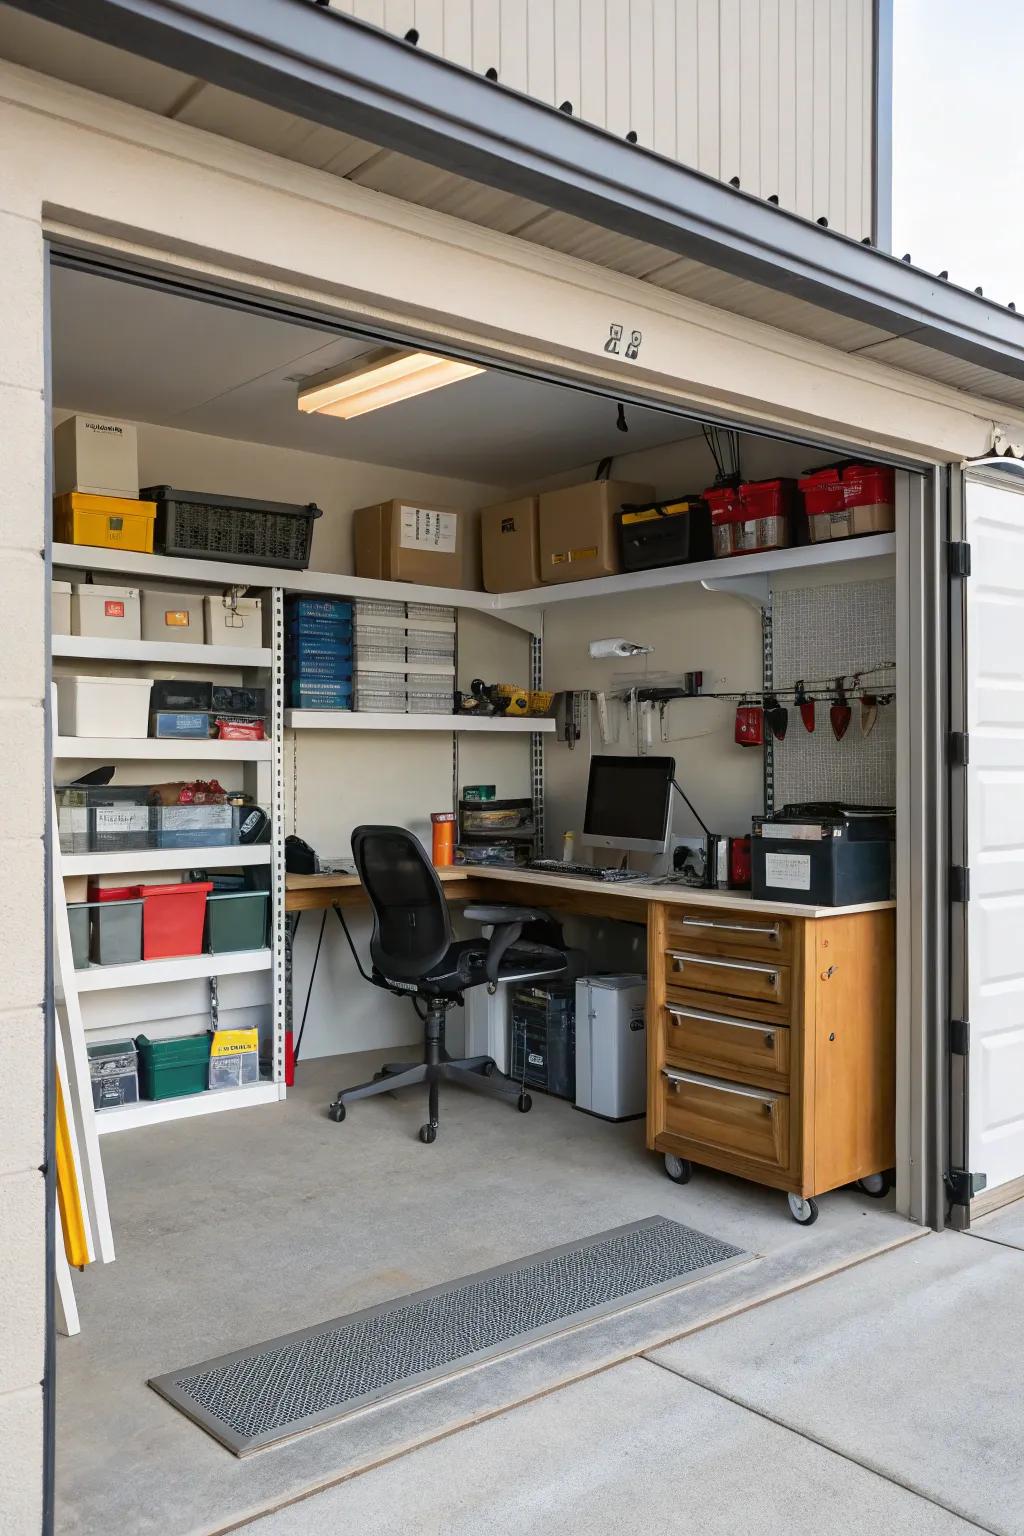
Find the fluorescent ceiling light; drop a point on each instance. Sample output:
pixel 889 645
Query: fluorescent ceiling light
pixel 384 378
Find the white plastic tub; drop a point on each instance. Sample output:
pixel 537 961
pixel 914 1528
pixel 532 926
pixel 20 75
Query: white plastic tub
pixel 60 607
pixel 234 623
pixel 107 613
pixel 103 706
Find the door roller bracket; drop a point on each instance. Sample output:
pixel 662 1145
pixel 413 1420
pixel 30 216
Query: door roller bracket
pixel 962 1186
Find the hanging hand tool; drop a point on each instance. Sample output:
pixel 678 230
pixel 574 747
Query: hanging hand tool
pixel 868 713
pixel 646 726
pixel 840 712
pixel 603 722
pixel 805 705
pixel 777 716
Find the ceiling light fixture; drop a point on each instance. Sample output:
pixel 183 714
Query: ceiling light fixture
pixel 383 378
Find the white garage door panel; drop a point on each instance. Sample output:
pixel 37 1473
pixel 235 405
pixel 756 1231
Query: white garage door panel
pixel 995 827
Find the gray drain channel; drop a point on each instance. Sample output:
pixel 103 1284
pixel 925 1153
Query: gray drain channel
pixel 256 1397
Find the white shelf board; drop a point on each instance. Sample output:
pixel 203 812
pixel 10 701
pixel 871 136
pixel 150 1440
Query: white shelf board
pixel 124 748
pixel 368 720
pixel 95 648
pixel 802 557
pixel 140 860
pixel 127 1117
pixel 104 978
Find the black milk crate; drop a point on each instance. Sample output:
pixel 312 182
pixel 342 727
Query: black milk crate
pixel 198 526
pixel 543 1022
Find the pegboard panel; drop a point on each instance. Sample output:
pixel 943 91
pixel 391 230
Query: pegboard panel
pixel 820 632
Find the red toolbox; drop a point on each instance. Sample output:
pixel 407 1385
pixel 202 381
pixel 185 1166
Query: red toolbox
pixel 173 918
pixel 845 501
pixel 726 512
pixel 767 507
pixel 825 505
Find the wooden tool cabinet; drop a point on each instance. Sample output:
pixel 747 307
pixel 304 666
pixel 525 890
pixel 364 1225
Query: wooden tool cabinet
pixel 771 1047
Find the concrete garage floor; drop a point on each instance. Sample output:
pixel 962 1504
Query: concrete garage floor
pixel 885 1398
pixel 239 1227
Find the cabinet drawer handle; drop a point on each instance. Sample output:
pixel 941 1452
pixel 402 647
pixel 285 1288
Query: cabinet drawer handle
pixel 772 932
pixel 676 1078
pixel 677 1012
pixel 724 965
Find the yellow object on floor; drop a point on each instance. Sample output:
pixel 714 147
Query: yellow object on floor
pixel 76 1244
pixel 110 522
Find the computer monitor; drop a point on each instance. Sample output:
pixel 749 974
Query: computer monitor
pixel 629 803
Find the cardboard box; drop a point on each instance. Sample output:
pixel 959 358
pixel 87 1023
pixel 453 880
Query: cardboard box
pixel 408 541
pixel 510 538
pixel 96 455
pixel 578 537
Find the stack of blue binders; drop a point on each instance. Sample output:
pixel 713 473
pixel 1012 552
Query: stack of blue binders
pixel 318 652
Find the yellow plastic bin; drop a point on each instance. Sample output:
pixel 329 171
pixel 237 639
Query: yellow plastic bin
pixel 109 522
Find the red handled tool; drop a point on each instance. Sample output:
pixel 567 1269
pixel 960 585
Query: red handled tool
pixel 805 705
pixel 840 712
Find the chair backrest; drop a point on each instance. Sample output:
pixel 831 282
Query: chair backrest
pixel 412 930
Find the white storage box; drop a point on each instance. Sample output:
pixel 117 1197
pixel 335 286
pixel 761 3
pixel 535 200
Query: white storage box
pixel 237 621
pixel 60 607
pixel 176 616
pixel 108 613
pixel 103 706
pixel 96 455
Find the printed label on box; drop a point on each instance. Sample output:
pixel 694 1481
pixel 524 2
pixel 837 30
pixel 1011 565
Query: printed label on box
pixel 195 818
pixel 423 529
pixel 568 555
pixel 177 618
pixel 796 831
pixel 121 818
pixel 113 609
pixel 788 871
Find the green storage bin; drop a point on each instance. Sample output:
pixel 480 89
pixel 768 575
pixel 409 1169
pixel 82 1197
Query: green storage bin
pixel 78 922
pixel 169 1069
pixel 236 920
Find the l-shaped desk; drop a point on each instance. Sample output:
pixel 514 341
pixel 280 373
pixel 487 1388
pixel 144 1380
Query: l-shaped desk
pixel 771 1026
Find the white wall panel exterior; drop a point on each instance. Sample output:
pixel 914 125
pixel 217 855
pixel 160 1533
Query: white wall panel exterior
pixel 776 92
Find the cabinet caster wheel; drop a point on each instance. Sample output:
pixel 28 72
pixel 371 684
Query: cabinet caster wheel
pixel 876 1185
pixel 337 1111
pixel 803 1212
pixel 524 1104
pixel 428 1132
pixel 679 1169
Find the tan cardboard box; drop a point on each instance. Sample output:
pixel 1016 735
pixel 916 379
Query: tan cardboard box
pixel 409 541
pixel 96 455
pixel 511 545
pixel 577 528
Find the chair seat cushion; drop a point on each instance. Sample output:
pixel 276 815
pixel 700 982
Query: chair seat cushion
pixel 464 966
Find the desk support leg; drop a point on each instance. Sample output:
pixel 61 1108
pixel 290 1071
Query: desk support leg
pixel 312 978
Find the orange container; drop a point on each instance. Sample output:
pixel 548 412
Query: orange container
pixel 443 852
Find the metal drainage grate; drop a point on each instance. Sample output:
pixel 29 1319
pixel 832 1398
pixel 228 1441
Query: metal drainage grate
pixel 256 1397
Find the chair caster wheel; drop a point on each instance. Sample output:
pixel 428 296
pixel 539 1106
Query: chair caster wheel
pixel 679 1169
pixel 337 1111
pixel 524 1104
pixel 803 1212
pixel 876 1185
pixel 428 1132
pixel 487 1070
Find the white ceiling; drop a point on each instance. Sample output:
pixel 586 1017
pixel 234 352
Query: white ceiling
pixel 133 352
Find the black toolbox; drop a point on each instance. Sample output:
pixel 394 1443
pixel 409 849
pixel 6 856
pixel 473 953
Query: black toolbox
pixel 543 1021
pixel 823 854
pixel 658 533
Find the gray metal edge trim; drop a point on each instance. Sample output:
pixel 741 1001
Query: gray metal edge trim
pixel 881 128
pixel 331 69
pixel 167 1384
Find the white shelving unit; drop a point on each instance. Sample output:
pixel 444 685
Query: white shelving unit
pixel 163 652
pixel 128 1117
pixel 142 860
pixel 353 720
pixel 137 748
pixel 151 973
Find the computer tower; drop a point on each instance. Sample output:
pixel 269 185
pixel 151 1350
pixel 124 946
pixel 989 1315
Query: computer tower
pixel 611 1046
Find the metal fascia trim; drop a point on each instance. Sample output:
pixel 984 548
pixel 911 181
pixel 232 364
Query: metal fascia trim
pixel 328 68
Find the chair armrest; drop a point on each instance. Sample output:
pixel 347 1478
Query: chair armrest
pixel 479 912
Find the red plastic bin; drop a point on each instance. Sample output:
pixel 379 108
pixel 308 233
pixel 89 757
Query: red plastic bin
pixel 172 918
pixel 822 492
pixel 113 892
pixel 726 510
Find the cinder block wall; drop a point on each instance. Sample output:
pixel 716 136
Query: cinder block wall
pixel 22 800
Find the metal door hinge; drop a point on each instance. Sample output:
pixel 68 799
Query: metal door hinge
pixel 959 749
pixel 962 1186
pixel 959 1036
pixel 959 883
pixel 959 558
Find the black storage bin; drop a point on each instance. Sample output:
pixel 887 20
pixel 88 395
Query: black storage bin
pixel 180 694
pixel 836 869
pixel 543 1023
pixel 229 698
pixel 664 533
pixel 198 526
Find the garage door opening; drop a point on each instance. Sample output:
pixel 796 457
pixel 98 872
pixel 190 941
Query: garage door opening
pixel 743 1043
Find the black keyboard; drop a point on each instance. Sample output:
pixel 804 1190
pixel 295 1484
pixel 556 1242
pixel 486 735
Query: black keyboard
pixel 588 872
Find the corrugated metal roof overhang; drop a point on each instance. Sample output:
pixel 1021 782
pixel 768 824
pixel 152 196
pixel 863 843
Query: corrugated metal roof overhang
pixel 687 232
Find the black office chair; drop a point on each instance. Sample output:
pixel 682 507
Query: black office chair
pixel 413 954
